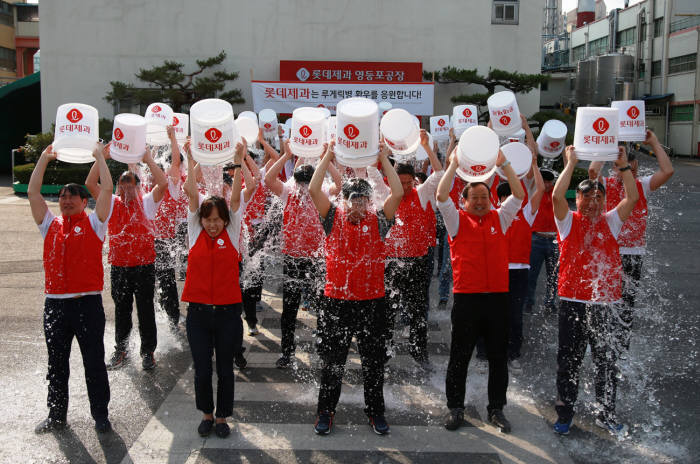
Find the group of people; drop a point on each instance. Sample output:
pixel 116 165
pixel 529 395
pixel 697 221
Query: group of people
pixel 360 246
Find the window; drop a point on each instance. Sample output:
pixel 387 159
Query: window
pixel 682 63
pixel 641 69
pixel 658 27
pixel 626 37
pixel 685 23
pixel 8 58
pixel 544 86
pixel 598 46
pixel 505 12
pixel 577 53
pixel 6 16
pixel 682 113
pixel 644 29
pixel 656 68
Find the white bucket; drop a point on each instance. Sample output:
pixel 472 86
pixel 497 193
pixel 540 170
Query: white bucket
pixel 596 134
pixel 76 133
pixel 308 132
pixel 504 113
pixel 477 152
pixel 552 138
pixel 384 108
pixel 249 115
pixel 214 133
pixel 361 162
pixel 632 120
pixel 267 120
pixel 464 117
pixel 520 158
pixel 400 133
pixel 440 127
pixel 421 154
pixel 158 116
pixel 326 112
pixel 331 130
pixel 248 129
pixel 357 134
pixel 128 138
pixel 181 126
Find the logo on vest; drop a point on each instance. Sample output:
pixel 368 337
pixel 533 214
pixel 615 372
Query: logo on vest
pixel 493 230
pixel 77 230
pixel 220 241
pixel 365 228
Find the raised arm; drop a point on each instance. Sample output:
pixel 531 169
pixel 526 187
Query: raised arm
pixel 190 186
pixel 159 176
pixel 561 207
pixel 516 188
pixel 594 169
pixel 665 171
pixel 174 170
pixel 450 147
pixel 536 197
pixel 445 185
pixel 391 204
pixel 270 152
pixel 337 180
pixel 91 181
pixel 252 177
pixel 425 143
pixel 320 199
pixel 241 151
pixel 103 203
pixel 626 205
pixel 272 175
pixel 36 200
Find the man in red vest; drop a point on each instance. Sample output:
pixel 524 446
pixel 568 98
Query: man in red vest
pixel 354 303
pixel 632 239
pixel 590 289
pixel 132 255
pixel 74 279
pixel 479 252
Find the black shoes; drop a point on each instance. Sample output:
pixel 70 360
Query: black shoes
pixel 239 360
pixel 379 425
pixel 497 419
pixel 118 359
pixel 49 425
pixel 103 425
pixel 205 427
pixel 148 362
pixel 284 362
pixel 222 430
pixel 455 419
pixel 324 423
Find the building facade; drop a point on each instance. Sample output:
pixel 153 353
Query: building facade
pixel 19 39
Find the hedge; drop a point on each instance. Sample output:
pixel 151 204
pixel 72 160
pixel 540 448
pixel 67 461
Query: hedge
pixel 60 173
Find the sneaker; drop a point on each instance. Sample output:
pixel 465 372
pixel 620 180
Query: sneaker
pixel 324 423
pixel 497 419
pixel 612 426
pixel 562 428
pixel 283 362
pixel 118 359
pixel 455 419
pixel 50 425
pixel 253 331
pixel 205 427
pixel 379 425
pixel 442 305
pixel 514 365
pixel 222 430
pixel 239 360
pixel 103 425
pixel 148 362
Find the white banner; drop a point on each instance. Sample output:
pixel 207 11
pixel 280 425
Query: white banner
pixel 285 97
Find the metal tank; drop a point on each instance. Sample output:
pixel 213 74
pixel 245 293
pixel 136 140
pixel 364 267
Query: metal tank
pixel 612 72
pixel 585 81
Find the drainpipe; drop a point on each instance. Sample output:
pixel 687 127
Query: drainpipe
pixel 612 31
pixel 637 51
pixel 694 131
pixel 667 30
pixel 649 57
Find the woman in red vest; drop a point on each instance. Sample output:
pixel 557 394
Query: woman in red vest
pixel 479 252
pixel 74 280
pixel 590 289
pixel 354 303
pixel 213 292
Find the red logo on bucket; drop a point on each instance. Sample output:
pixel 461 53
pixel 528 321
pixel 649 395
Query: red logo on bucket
pixel 633 112
pixel 351 131
pixel 505 120
pixel 601 125
pixel 478 168
pixel 305 131
pixel 391 144
pixel 156 109
pixel 213 134
pixel 268 125
pixel 554 145
pixel 467 112
pixel 74 115
pixel 175 121
pixel 441 122
pixel 118 134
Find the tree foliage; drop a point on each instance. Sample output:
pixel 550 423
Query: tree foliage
pixel 170 84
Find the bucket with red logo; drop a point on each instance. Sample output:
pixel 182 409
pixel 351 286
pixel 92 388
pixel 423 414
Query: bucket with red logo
pixel 440 127
pixel 552 138
pixel 477 152
pixel 400 132
pixel 214 133
pixel 504 113
pixel 308 132
pixel 181 126
pixel 357 132
pixel 128 138
pixel 384 108
pixel 464 117
pixel 267 121
pixel 331 129
pixel 520 158
pixel 632 120
pixel 596 133
pixel 76 133
pixel 158 117
pixel 247 125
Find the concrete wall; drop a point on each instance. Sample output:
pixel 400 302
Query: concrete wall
pixel 87 43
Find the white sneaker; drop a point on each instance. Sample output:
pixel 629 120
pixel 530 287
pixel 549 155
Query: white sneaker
pixel 253 331
pixel 514 365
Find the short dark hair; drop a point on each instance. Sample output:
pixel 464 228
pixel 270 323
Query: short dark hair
pixel 208 206
pixel 471 185
pixel 422 176
pixel 590 184
pixel 131 174
pixel 74 189
pixel 356 187
pixel 503 190
pixel 547 174
pixel 303 174
pixel 631 156
pixel 405 168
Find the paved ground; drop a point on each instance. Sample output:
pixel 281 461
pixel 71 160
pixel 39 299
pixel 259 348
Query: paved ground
pixel 155 419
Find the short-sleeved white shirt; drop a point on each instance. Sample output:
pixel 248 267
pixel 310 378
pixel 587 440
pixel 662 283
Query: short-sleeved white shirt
pixel 194 228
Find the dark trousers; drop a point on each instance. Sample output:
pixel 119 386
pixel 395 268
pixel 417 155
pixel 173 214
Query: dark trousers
pixel 543 250
pixel 129 283
pixel 517 289
pixel 84 319
pixel 632 267
pixel 338 322
pixel 299 274
pixel 404 279
pixel 581 324
pixel 214 329
pixel 428 267
pixel 166 256
pixel 477 315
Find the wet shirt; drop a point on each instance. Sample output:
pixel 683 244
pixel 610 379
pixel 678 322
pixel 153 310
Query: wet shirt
pixel 131 231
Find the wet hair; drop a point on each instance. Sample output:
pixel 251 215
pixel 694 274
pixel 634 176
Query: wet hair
pixel 631 157
pixel 471 185
pixel 590 184
pixel 74 189
pixel 356 187
pixel 130 174
pixel 405 168
pixel 303 174
pixel 208 206
pixel 422 176
pixel 547 174
pixel 503 190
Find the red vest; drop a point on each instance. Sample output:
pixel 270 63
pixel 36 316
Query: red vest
pixel 256 207
pixel 479 254
pixel 354 259
pixel 409 236
pixel 169 211
pixel 431 221
pixel 633 233
pixel 519 236
pixel 544 222
pixel 72 256
pixel 590 268
pixel 301 228
pixel 212 271
pixel 130 235
pixel 456 191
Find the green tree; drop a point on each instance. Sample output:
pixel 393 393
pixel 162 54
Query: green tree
pixel 170 84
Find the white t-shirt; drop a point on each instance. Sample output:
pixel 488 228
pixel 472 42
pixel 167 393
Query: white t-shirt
pixel 530 218
pixel 194 228
pixel 150 207
pixel 646 190
pixel 506 213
